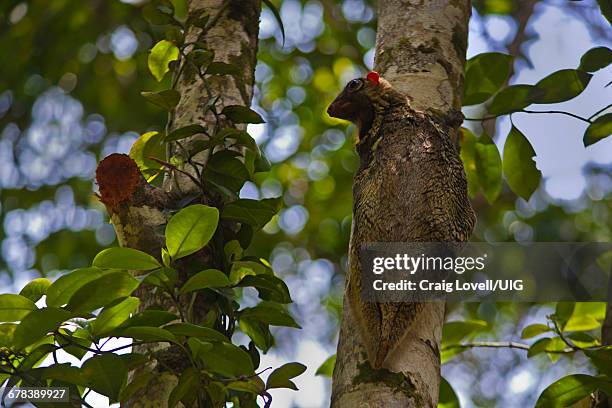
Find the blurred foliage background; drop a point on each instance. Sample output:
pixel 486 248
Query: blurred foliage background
pixel 70 85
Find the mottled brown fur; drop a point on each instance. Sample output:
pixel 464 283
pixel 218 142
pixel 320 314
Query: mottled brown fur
pixel 410 187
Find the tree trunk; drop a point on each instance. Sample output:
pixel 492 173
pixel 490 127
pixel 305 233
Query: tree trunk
pixel 136 209
pixel 420 50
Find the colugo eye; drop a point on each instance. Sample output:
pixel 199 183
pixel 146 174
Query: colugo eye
pixel 355 85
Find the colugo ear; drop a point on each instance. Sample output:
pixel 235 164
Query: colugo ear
pixel 373 77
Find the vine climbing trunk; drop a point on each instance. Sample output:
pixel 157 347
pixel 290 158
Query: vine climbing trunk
pixel 420 50
pixel 137 210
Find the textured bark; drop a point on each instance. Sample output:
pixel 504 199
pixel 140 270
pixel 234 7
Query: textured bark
pixel 138 214
pixel 421 52
pixel 233 38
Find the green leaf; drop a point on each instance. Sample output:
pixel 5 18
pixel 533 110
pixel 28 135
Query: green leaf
pixel 582 339
pixel 253 385
pixel 113 316
pixel 167 99
pixel 511 99
pixel 14 307
pixel 606 9
pixel 221 68
pixel 488 167
pixel 190 229
pixel 568 390
pixel 560 86
pixel 585 316
pixel 150 334
pixel 7 331
pixel 269 287
pixel 125 258
pixel 106 374
pixel 210 278
pixel 160 56
pixel 281 377
pixel 454 332
pixel 185 131
pixel 257 331
pixel 563 311
pixel 226 170
pixel 37 324
pixel 186 389
pixel 240 137
pixel 534 330
pixel 327 368
pixel 164 278
pixel 63 372
pixel 484 75
pixel 253 212
pixel 240 269
pixel 595 59
pixel 241 114
pixel 228 360
pixel 35 289
pixel 539 347
pixel 598 130
pixel 555 344
pixel 153 318
pixel 521 173
pixel 159 12
pixel 602 359
pixel 269 313
pixel 144 148
pixel 102 291
pixel 468 157
pixel 448 397
pixel 192 330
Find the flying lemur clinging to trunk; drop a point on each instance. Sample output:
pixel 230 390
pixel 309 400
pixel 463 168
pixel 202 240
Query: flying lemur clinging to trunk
pixel 410 187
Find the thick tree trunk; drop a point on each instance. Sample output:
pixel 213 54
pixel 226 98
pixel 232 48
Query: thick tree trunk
pixel 420 50
pixel 137 209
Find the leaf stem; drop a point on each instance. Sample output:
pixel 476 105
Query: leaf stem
pixel 504 344
pixel 573 115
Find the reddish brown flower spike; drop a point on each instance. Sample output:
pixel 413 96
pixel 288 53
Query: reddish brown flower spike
pixel 373 77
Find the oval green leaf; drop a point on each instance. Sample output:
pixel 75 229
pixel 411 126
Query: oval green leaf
pixel 37 324
pixel 484 75
pixel 560 86
pixel 35 289
pixel 113 316
pixel 102 292
pixel 167 99
pixel 60 291
pixel 595 59
pixel 598 130
pixel 106 374
pixel 567 390
pixel 511 99
pixel 125 258
pixel 14 307
pixel 521 173
pixel 161 55
pixel 488 167
pixel 210 278
pixel 281 377
pixel 190 229
pixel 241 114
